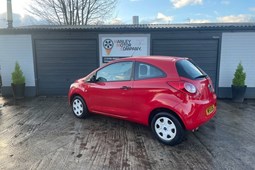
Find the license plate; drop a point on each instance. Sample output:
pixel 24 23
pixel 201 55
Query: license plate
pixel 209 110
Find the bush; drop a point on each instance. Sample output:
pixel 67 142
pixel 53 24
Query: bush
pixel 239 76
pixel 17 75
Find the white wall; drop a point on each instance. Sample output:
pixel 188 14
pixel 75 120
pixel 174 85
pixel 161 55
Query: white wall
pixel 16 48
pixel 237 47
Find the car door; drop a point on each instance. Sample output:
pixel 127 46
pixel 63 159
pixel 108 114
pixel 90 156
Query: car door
pixel 149 84
pixel 111 93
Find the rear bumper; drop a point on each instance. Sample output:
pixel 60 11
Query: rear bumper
pixel 194 113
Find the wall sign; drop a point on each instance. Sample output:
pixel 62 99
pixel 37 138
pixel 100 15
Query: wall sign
pixel 115 46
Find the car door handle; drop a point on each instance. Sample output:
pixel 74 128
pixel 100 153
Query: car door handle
pixel 125 87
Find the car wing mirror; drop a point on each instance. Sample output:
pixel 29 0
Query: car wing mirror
pixel 93 79
pixel 101 79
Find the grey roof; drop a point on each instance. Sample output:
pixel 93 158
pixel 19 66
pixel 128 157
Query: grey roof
pixel 249 25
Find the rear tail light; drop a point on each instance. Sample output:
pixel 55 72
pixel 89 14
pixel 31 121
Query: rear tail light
pixel 211 88
pixel 183 86
pixel 190 88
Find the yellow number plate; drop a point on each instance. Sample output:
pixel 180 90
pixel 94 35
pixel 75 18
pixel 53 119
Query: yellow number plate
pixel 209 110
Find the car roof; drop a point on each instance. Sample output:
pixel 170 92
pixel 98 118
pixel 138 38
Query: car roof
pixel 153 58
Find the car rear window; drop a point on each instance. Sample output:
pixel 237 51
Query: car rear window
pixel 187 69
pixel 147 71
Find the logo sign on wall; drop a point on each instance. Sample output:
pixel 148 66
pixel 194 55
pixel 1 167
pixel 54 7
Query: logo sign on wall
pixel 115 46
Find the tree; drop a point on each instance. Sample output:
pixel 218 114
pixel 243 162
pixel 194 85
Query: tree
pixel 72 12
pixel 17 75
pixel 239 76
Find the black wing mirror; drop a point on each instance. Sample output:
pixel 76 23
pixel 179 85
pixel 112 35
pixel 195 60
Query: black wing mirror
pixel 93 79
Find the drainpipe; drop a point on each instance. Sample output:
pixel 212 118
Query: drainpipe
pixel 9 14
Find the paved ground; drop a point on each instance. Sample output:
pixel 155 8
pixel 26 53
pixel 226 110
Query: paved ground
pixel 42 133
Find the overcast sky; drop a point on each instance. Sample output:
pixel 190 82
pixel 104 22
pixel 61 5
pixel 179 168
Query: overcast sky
pixel 158 11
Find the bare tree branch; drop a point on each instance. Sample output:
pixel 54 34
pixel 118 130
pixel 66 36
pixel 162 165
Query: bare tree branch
pixel 73 12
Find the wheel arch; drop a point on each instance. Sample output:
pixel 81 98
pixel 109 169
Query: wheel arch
pixel 158 110
pixel 76 94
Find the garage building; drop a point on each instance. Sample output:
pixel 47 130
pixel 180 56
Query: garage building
pixel 52 57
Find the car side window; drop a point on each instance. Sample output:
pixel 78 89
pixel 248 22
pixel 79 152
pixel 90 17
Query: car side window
pixel 120 71
pixel 147 71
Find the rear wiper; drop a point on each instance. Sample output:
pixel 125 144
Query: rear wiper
pixel 201 76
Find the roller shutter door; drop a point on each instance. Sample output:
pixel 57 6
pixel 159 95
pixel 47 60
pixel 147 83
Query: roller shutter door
pixel 203 52
pixel 60 62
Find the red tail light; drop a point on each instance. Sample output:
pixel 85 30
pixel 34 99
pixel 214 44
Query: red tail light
pixel 183 86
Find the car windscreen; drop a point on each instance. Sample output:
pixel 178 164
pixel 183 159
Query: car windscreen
pixel 188 69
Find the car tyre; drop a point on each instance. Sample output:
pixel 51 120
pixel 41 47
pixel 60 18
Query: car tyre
pixel 167 128
pixel 79 107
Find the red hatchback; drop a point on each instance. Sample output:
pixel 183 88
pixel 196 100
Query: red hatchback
pixel 169 94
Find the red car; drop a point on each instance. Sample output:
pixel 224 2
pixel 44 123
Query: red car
pixel 169 94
